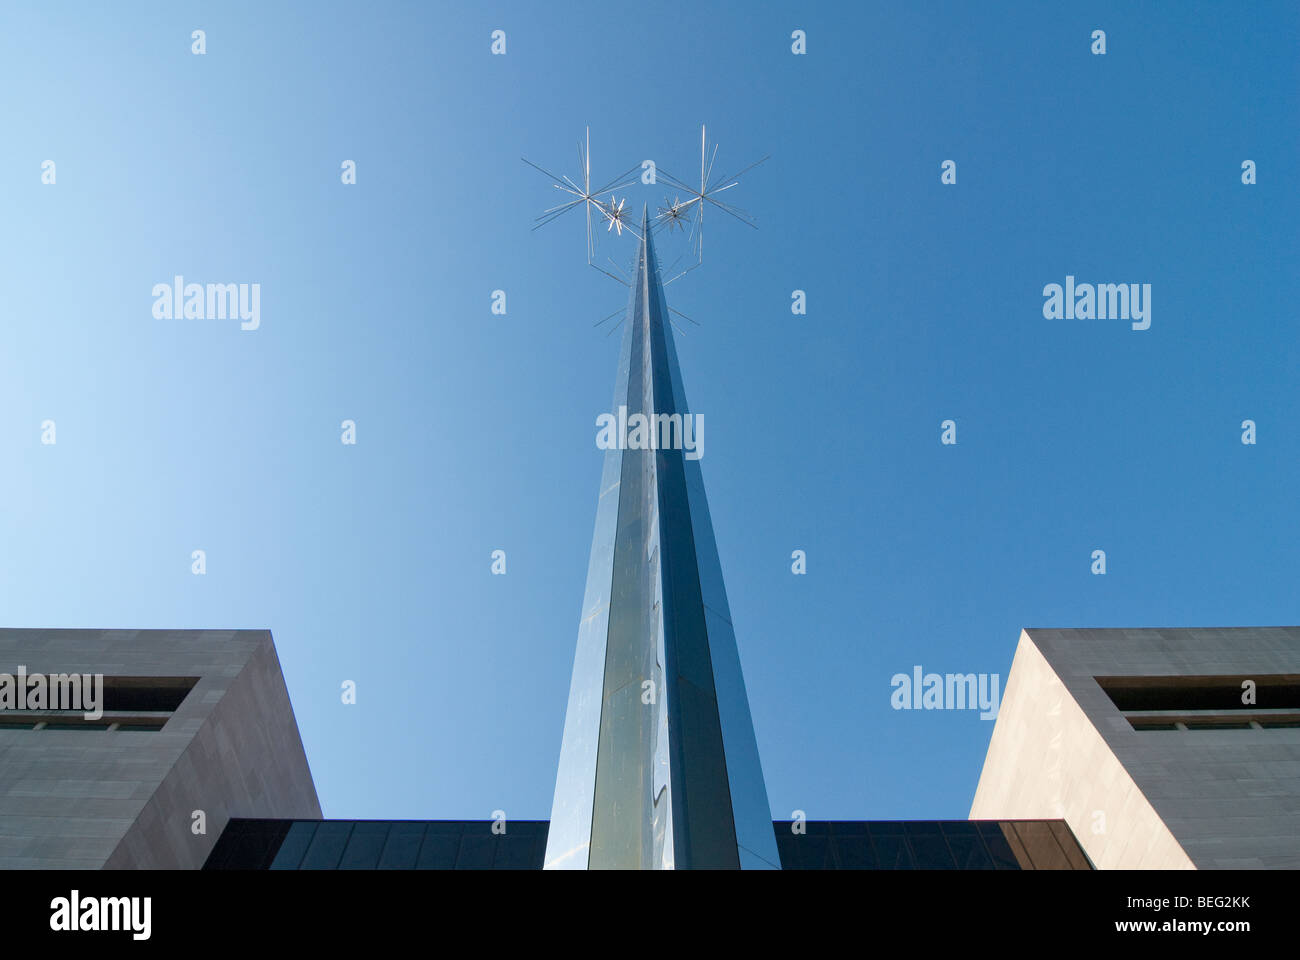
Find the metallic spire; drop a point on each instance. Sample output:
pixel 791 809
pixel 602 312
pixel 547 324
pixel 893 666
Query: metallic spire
pixel 659 767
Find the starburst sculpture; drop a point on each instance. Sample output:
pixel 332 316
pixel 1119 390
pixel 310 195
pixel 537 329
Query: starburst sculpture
pixel 690 211
pixel 616 215
pixel 677 215
pixel 582 195
pixel 686 214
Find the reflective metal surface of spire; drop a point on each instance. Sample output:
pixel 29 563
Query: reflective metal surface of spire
pixel 659 767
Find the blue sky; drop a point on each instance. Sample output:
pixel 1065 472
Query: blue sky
pixel 476 432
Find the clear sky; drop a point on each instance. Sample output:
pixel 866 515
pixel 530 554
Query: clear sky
pixel 476 432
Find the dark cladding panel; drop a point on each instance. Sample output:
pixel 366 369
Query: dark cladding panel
pixel 250 846
pixel 930 845
pixel 471 845
pixel 379 844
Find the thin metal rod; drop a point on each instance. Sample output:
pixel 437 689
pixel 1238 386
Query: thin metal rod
pixel 608 274
pixel 626 278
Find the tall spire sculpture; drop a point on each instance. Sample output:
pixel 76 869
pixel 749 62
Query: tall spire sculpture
pixel 659 766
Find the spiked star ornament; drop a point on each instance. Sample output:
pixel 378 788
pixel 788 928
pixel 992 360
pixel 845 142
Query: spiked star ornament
pixel 578 193
pixel 616 215
pixel 676 216
pixel 691 210
pixel 686 215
